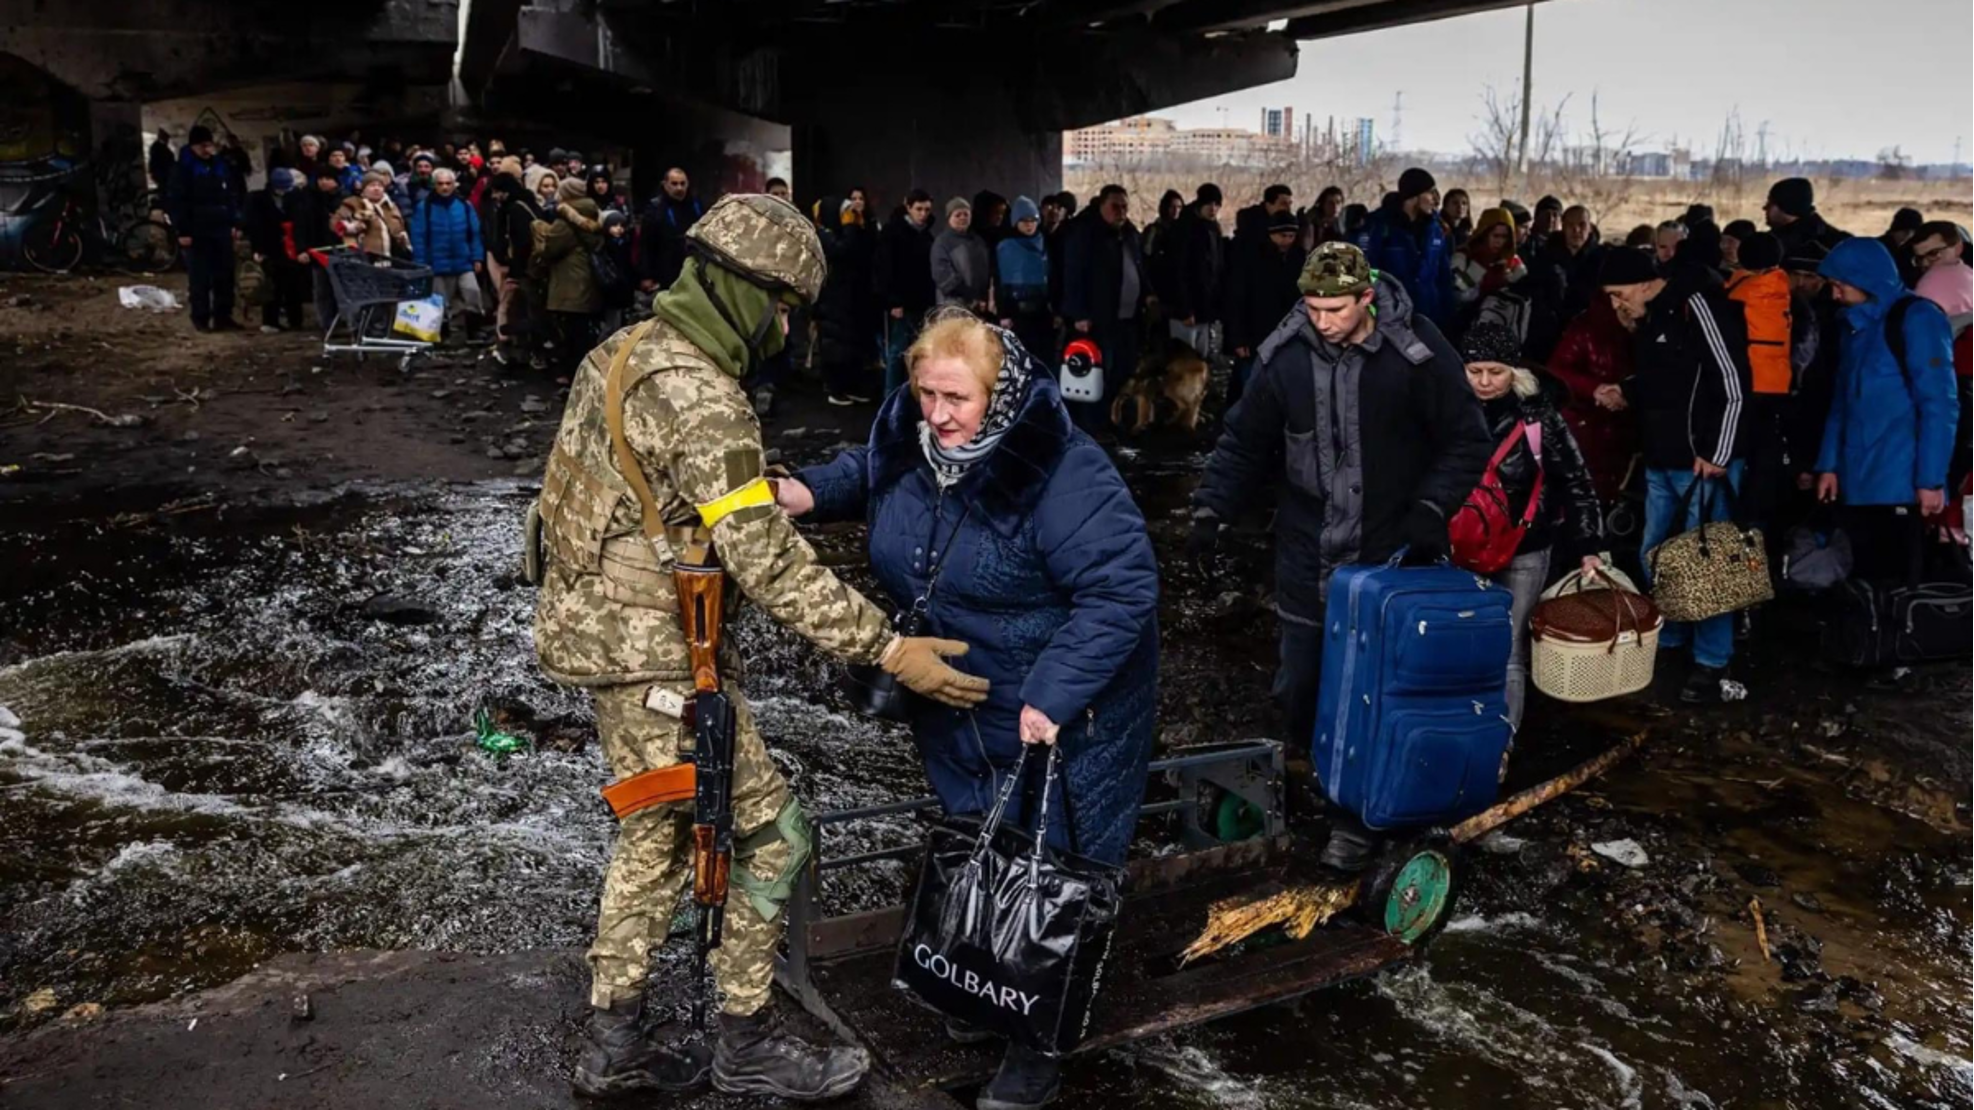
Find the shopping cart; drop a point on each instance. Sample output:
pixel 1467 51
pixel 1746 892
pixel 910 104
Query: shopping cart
pixel 368 290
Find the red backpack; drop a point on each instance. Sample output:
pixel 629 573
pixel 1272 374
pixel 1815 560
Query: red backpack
pixel 1482 535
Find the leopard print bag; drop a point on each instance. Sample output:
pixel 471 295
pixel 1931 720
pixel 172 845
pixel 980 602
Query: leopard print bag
pixel 1719 567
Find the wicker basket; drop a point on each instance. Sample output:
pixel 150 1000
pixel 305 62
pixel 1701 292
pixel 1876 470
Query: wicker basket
pixel 1594 645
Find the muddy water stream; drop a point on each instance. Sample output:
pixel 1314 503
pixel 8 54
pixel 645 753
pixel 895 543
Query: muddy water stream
pixel 251 735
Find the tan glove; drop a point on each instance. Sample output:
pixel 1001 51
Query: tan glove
pixel 920 663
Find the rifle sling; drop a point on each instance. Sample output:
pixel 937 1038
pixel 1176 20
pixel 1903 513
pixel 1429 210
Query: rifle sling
pixel 698 549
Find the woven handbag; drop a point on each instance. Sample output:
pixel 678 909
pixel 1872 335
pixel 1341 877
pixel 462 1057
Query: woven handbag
pixel 1594 640
pixel 1719 567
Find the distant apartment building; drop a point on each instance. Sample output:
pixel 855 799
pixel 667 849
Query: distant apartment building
pixel 1149 137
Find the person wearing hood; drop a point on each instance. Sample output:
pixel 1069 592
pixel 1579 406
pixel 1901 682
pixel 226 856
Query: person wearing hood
pixel 1512 400
pixel 1261 289
pixel 273 215
pixel 1156 236
pixel 1021 281
pixel 662 228
pixel 1404 238
pixel 573 299
pixel 1359 413
pixel 1456 214
pixel 1062 618
pixel 542 184
pixel 1791 213
pixel 206 207
pixel 1325 219
pixel 620 292
pixel 603 191
pixel 1888 439
pixel 1489 262
pixel 510 238
pixel 990 218
pixel 1690 384
pixel 961 267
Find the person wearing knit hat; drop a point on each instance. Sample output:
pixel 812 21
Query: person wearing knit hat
pixel 1761 251
pixel 1021 277
pixel 959 204
pixel 1406 239
pixel 1191 280
pixel 1791 213
pixel 273 231
pixel 1358 412
pixel 1732 236
pixel 1690 387
pixel 1514 405
pixel 206 203
pixel 961 264
pixel 1262 272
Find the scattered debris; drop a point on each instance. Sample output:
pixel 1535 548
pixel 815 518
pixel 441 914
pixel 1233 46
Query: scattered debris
pixel 1761 929
pixel 1624 853
pixel 40 1002
pixel 492 740
pixel 1298 910
pixel 120 420
pixel 1757 875
pixel 83 1011
pixel 302 1008
pixel 150 298
pixel 1504 812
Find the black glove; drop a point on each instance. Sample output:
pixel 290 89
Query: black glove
pixel 1425 534
pixel 1204 539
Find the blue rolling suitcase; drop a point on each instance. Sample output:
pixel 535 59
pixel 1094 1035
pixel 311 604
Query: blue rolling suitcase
pixel 1412 717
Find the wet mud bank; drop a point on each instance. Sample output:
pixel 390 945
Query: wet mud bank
pixel 244 753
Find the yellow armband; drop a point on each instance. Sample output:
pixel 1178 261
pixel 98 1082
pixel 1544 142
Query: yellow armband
pixel 755 493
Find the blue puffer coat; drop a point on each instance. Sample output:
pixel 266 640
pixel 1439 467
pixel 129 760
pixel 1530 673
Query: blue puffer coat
pixel 1393 244
pixel 445 234
pixel 1890 431
pixel 1050 577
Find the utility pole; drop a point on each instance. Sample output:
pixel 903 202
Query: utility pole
pixel 1528 97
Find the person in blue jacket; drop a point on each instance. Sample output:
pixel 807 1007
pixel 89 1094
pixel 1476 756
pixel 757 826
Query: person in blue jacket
pixel 1405 239
pixel 445 235
pixel 1889 437
pixel 1021 282
pixel 975 472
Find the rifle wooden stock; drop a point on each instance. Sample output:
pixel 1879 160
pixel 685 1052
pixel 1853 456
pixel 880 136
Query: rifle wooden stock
pixel 702 601
pixel 710 868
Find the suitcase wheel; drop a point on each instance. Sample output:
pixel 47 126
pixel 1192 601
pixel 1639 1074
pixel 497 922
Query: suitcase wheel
pixel 1411 890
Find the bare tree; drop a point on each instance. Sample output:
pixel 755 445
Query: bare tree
pixel 1893 164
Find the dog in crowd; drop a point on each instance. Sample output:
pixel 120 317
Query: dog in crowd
pixel 1167 389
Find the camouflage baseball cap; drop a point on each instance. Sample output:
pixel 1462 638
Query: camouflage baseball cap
pixel 766 239
pixel 1335 270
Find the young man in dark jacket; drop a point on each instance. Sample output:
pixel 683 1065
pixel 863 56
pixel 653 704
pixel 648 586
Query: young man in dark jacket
pixel 903 276
pixel 161 160
pixel 1261 289
pixel 1690 384
pixel 1405 238
pixel 1198 268
pixel 206 205
pixel 1791 213
pixel 1103 294
pixel 1365 411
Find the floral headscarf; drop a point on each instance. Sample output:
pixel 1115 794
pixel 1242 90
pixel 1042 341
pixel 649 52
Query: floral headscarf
pixel 1018 369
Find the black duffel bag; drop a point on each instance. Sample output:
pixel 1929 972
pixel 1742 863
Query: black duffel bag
pixel 1881 625
pixel 1007 933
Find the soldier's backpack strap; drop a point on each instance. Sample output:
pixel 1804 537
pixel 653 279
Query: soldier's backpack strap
pixel 613 418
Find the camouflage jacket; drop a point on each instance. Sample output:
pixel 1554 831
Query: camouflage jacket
pixel 608 613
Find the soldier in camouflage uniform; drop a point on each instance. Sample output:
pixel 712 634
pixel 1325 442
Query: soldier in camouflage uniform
pixel 608 621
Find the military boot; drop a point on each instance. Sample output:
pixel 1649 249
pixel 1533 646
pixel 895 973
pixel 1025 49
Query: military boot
pixel 756 1056
pixel 620 1055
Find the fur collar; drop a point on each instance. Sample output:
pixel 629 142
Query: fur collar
pixel 1006 484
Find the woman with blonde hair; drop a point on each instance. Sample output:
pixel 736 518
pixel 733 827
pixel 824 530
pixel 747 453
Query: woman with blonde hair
pixel 1003 524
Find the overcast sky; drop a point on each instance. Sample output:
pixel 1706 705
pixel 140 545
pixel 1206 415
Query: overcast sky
pixel 1833 78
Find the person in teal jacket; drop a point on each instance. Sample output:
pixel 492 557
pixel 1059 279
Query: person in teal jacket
pixel 1889 436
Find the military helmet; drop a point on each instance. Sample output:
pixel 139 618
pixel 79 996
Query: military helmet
pixel 765 239
pixel 1336 270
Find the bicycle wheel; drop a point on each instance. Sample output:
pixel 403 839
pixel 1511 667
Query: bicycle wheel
pixel 148 247
pixel 53 246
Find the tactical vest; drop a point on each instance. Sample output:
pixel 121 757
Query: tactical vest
pixel 608 610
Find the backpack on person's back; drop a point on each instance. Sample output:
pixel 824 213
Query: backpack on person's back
pixel 1764 299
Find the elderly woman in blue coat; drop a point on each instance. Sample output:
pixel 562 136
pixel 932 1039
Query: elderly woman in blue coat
pixel 974 471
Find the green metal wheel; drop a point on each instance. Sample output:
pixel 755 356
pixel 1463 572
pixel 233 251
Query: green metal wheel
pixel 1236 818
pixel 1413 890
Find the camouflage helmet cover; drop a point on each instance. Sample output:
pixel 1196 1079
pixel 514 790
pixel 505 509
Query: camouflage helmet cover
pixel 1336 270
pixel 764 238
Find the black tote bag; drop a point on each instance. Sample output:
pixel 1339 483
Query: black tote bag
pixel 1007 933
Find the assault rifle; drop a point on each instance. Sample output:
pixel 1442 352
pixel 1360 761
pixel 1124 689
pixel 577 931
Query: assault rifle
pixel 701 585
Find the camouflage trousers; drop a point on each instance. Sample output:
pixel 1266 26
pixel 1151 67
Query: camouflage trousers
pixel 651 867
